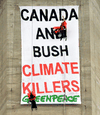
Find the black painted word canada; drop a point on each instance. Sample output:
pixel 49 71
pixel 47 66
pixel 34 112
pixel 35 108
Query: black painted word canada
pixel 26 15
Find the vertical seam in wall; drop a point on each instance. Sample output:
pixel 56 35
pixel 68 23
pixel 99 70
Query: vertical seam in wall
pixel 90 49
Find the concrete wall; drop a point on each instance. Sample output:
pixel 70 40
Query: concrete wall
pixel 10 59
pixel 95 54
pixel 3 57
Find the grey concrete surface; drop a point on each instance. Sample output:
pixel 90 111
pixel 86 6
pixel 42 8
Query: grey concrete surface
pixel 10 58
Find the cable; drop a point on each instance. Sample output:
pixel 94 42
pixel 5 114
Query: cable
pixel 31 49
pixel 31 52
pixel 64 69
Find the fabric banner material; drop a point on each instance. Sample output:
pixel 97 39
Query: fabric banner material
pixel 50 54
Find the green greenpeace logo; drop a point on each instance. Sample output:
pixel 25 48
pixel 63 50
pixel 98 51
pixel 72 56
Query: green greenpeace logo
pixel 25 99
pixel 53 98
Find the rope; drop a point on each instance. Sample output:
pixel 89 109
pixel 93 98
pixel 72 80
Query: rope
pixel 31 49
pixel 64 69
pixel 31 52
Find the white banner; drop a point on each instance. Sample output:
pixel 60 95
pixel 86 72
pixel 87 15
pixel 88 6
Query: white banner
pixel 50 54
